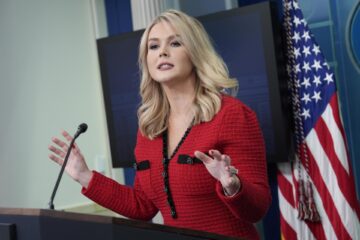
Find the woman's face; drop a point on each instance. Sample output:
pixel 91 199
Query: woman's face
pixel 167 58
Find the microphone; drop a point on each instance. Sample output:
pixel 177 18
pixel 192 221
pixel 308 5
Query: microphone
pixel 81 129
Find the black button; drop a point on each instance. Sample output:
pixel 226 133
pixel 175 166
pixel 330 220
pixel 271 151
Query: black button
pixel 164 174
pixel 166 189
pixel 165 161
pixel 173 213
pixel 189 160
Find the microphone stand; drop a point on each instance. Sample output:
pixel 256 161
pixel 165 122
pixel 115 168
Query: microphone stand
pixel 51 203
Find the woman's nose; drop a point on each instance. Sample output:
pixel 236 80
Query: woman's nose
pixel 164 52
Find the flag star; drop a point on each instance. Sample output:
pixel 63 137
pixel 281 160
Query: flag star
pixel 296 5
pixel 297 21
pixel 316 96
pixel 305 113
pixel 316 50
pixel 306 35
pixel 306 67
pixel 329 78
pixel 317 80
pixel 297 68
pixel 306 98
pixel 304 21
pixel 306 83
pixel 297 52
pixel 306 51
pixel 296 37
pixel 326 65
pixel 316 65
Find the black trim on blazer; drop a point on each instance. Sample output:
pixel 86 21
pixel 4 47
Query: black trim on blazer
pixel 143 165
pixel 186 159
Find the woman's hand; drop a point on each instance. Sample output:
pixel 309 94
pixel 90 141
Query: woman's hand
pixel 219 167
pixel 76 166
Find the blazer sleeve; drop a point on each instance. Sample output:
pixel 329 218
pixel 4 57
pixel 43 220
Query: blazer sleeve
pixel 240 138
pixel 127 201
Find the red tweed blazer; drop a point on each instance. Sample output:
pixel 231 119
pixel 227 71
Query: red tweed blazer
pixel 198 198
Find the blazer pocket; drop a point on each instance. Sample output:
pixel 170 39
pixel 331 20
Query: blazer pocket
pixel 192 177
pixel 142 165
pixel 186 159
pixel 143 174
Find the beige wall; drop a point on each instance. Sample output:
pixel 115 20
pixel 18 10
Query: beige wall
pixel 49 80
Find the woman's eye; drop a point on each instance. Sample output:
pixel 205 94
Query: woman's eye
pixel 153 46
pixel 175 44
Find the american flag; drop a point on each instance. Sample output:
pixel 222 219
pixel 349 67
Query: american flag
pixel 322 158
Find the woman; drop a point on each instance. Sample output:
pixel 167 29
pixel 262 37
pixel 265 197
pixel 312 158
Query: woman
pixel 200 155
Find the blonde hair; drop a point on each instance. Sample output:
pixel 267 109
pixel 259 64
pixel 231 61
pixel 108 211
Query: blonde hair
pixel 212 76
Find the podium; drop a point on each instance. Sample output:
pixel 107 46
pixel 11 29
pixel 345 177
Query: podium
pixel 43 224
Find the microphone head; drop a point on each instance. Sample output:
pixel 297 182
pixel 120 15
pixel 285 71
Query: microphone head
pixel 82 128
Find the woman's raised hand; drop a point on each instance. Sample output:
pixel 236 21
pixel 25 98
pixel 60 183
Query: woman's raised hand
pixel 218 165
pixel 76 166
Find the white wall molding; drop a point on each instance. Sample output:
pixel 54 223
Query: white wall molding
pixel 144 11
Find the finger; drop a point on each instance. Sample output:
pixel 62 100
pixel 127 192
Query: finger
pixel 226 159
pixel 215 154
pixel 56 151
pixel 67 135
pixel 70 138
pixel 227 172
pixel 59 142
pixel 56 159
pixel 74 150
pixel 203 157
pixel 233 170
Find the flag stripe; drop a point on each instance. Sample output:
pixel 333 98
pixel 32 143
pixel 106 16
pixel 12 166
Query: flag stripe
pixel 326 184
pixel 286 171
pixel 325 228
pixel 290 216
pixel 284 179
pixel 288 233
pixel 324 130
pixel 286 189
pixel 351 182
pixel 337 143
pixel 319 232
pixel 335 109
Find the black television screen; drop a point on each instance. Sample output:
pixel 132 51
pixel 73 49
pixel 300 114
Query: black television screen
pixel 247 40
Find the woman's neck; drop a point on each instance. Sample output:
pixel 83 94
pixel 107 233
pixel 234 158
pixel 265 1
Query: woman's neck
pixel 181 105
pixel 181 98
